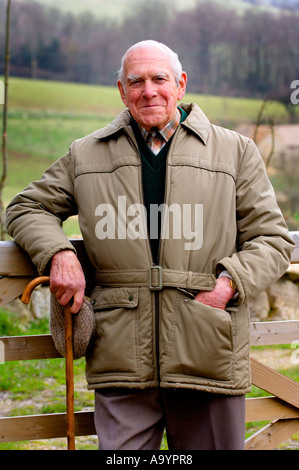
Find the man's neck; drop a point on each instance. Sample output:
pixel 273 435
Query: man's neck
pixel 166 131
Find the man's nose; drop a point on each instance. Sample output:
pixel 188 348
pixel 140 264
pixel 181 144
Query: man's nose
pixel 149 89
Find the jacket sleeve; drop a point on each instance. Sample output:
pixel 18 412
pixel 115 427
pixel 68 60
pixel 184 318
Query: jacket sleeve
pixel 34 217
pixel 264 246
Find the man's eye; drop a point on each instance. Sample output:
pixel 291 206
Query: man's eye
pixel 135 83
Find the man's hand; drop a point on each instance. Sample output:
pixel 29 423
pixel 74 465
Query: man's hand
pixel 220 296
pixel 67 280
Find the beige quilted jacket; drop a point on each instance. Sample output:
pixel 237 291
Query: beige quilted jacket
pixel 149 329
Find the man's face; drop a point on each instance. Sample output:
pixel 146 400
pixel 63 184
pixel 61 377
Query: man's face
pixel 149 90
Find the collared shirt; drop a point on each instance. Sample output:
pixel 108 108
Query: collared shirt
pixel 156 139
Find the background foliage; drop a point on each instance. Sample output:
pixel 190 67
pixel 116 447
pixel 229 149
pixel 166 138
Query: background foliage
pixel 227 49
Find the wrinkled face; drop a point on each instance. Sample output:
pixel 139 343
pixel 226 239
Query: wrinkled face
pixel 150 91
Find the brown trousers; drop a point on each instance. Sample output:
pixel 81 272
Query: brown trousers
pixel 135 419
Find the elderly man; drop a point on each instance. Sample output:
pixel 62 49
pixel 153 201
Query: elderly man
pixel 181 225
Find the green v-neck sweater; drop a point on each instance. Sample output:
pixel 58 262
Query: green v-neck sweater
pixel 153 180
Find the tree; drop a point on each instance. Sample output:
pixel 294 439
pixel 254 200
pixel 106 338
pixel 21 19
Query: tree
pixel 4 133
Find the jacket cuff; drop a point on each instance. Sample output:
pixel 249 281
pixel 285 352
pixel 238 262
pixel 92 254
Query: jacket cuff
pixel 225 273
pixel 225 264
pixel 44 265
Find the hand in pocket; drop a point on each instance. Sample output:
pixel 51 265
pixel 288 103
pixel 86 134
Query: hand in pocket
pixel 219 296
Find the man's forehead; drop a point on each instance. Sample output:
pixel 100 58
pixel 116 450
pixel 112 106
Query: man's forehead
pixel 154 52
pixel 142 57
pixel 148 65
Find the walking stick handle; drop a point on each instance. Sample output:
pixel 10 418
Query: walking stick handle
pixel 31 286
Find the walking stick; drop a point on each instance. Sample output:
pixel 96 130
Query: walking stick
pixel 69 377
pixel 69 371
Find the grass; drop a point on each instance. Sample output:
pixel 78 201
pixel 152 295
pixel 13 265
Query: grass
pixel 73 98
pixel 48 135
pixel 76 100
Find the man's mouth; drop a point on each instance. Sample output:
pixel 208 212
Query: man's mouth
pixel 149 106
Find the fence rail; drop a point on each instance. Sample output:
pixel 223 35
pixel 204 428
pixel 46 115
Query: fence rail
pixel 281 409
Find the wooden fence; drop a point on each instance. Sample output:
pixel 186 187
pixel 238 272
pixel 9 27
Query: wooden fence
pixel 281 409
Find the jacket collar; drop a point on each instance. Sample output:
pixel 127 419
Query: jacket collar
pixel 122 121
pixel 196 121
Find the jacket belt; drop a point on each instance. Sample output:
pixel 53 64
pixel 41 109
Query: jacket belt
pixel 155 278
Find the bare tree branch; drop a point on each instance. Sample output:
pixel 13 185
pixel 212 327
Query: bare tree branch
pixel 4 133
pixel 272 126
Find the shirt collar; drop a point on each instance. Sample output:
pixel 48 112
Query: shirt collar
pixel 168 130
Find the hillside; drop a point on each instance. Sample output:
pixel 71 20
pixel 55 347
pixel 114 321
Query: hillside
pixel 119 8
pixel 105 8
pixel 225 53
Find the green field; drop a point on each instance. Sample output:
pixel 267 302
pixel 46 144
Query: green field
pixel 45 117
pixel 75 100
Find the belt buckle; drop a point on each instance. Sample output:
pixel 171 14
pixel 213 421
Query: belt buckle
pixel 150 284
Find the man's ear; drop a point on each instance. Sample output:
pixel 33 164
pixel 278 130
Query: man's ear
pixel 122 92
pixel 182 86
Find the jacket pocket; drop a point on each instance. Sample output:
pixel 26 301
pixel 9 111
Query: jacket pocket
pixel 115 349
pixel 201 344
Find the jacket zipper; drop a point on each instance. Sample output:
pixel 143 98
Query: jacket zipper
pixel 156 293
pixel 157 335
pixel 156 346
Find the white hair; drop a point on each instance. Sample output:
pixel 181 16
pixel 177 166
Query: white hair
pixel 174 60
